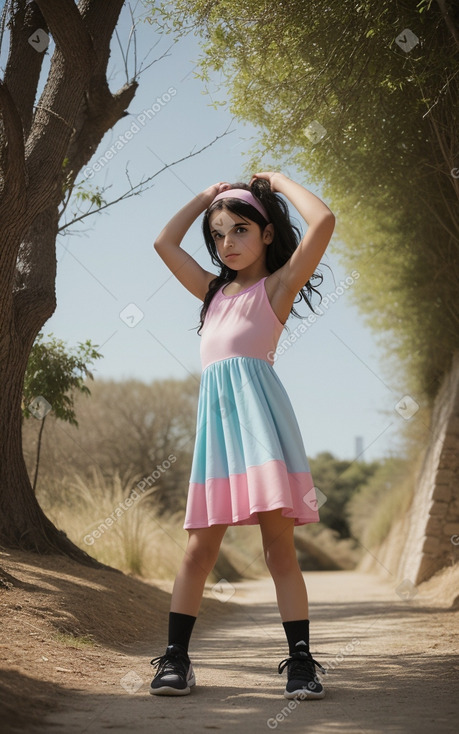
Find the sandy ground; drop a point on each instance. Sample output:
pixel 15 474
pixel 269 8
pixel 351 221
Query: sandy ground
pixel 393 667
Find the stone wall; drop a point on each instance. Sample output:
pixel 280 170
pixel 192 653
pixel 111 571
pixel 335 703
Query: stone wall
pixel 439 546
pixel 426 538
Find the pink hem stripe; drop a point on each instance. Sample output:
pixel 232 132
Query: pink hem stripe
pixel 236 500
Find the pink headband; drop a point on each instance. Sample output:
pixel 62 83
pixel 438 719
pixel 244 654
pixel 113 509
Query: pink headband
pixel 246 196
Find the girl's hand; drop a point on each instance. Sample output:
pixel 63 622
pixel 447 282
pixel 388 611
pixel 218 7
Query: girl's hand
pixel 209 194
pixel 274 178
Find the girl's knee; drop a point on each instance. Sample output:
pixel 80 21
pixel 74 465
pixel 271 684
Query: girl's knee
pixel 202 552
pixel 281 561
pixel 200 559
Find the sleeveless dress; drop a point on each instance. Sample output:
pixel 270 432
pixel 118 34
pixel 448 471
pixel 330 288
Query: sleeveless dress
pixel 248 455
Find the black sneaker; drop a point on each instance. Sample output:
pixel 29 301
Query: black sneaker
pixel 175 673
pixel 302 679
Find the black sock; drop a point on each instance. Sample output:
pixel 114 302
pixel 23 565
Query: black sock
pixel 180 629
pixel 296 631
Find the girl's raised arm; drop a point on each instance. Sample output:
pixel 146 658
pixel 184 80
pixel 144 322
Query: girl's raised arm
pixel 321 223
pixel 167 244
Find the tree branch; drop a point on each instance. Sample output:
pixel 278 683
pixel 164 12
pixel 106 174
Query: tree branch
pixel 137 189
pixel 100 111
pixel 68 30
pixel 84 102
pixel 100 18
pixel 13 162
pixel 440 219
pixel 449 21
pixel 23 87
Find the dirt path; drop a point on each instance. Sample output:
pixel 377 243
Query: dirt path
pixel 393 668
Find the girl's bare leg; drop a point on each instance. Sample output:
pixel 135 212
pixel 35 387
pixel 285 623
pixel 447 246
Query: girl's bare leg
pixel 282 562
pixel 200 557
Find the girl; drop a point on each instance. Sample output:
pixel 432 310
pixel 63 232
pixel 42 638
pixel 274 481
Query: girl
pixel 249 463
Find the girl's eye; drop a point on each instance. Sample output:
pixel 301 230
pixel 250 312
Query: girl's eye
pixel 217 235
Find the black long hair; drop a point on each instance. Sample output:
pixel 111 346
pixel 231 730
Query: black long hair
pixel 285 241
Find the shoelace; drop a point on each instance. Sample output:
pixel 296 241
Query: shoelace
pixel 170 661
pixel 301 662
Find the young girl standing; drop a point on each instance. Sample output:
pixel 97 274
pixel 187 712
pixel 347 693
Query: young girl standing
pixel 249 464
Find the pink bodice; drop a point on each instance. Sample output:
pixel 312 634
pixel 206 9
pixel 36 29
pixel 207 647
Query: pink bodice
pixel 241 325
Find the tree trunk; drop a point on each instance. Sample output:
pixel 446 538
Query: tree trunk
pixel 22 522
pixel 75 110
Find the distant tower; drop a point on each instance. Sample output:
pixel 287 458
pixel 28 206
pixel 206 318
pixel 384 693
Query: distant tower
pixel 358 445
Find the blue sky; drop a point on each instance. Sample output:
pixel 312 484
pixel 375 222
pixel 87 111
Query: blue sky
pixel 333 373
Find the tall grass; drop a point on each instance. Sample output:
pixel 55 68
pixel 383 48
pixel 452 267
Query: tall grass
pixel 386 497
pixel 95 516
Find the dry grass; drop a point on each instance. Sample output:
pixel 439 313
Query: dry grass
pixel 128 536
pixel 387 496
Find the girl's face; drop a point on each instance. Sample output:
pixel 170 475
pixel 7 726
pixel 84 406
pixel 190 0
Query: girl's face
pixel 238 240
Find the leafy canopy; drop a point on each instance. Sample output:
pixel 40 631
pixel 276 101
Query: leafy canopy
pixel 381 80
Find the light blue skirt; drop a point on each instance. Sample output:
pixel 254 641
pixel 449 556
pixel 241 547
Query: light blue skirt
pixel 249 455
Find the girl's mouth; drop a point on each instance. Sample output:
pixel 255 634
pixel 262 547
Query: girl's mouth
pixel 232 254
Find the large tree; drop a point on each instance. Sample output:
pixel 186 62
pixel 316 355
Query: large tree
pixel 44 143
pixel 362 96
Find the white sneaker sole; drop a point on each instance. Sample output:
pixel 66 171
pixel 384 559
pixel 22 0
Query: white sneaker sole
pixel 303 694
pixel 170 691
